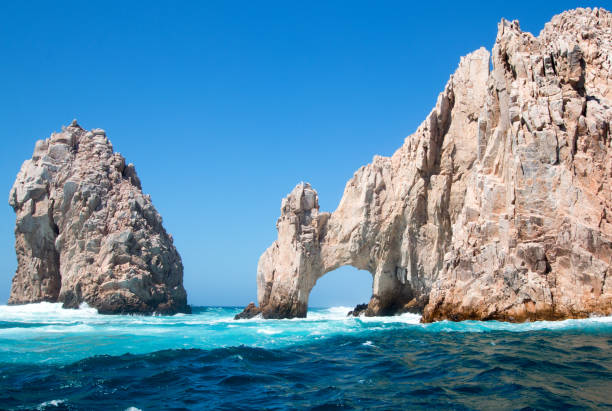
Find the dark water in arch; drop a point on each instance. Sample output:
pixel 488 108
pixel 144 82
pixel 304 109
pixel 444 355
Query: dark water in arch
pixel 51 359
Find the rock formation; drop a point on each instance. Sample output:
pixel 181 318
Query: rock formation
pixel 249 311
pixel 359 310
pixel 86 233
pixel 499 206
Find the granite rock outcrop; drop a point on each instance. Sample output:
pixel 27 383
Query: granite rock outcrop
pixel 499 206
pixel 85 232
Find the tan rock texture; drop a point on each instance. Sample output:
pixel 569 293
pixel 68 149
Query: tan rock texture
pixel 499 206
pixel 86 233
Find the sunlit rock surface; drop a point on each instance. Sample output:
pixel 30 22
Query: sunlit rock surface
pixel 499 206
pixel 85 232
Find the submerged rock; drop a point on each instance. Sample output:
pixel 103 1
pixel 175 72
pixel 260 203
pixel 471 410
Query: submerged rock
pixel 499 206
pixel 85 232
pixel 359 309
pixel 250 311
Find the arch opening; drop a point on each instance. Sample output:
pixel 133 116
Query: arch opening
pixel 346 287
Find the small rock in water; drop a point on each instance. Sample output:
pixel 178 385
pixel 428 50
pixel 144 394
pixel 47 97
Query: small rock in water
pixel 359 310
pixel 249 311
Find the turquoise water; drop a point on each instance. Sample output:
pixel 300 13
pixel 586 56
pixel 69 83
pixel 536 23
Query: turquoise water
pixel 51 358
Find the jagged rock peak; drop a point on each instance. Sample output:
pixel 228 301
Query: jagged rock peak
pixel 499 206
pixel 85 232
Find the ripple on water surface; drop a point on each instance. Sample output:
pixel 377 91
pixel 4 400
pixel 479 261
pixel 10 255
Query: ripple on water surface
pixel 52 358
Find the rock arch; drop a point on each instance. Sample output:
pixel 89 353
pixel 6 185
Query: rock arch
pixel 312 243
pixel 497 207
pixel 393 219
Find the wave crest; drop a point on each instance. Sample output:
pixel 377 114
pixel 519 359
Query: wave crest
pixel 45 332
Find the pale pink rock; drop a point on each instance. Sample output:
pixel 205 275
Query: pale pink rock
pixel 499 206
pixel 85 232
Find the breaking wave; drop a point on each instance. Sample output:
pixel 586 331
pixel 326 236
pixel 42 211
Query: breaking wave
pixel 52 358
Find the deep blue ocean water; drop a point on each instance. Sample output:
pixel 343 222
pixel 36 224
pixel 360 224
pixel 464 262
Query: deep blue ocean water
pixel 55 359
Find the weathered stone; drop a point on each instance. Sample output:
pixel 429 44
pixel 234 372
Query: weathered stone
pixel 249 311
pixel 360 309
pixel 76 231
pixel 499 206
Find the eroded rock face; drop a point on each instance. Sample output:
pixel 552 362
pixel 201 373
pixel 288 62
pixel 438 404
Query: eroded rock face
pixel 86 233
pixel 360 309
pixel 249 311
pixel 499 206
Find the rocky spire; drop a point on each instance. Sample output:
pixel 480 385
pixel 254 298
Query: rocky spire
pixel 85 232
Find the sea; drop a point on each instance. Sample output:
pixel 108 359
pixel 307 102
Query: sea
pixel 57 359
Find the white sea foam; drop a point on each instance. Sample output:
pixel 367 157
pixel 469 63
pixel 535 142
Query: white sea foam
pixel 268 331
pixel 406 318
pixel 487 326
pixel 45 332
pixel 45 310
pixel 331 313
pixel 52 403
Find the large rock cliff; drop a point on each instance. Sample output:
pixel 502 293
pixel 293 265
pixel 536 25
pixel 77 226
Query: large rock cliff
pixel 86 233
pixel 499 206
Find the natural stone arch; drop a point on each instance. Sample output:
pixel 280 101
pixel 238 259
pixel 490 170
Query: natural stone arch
pixel 498 206
pixel 394 219
pixel 310 245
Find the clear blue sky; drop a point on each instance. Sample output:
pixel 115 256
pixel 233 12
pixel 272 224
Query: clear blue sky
pixel 224 106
